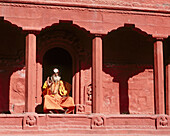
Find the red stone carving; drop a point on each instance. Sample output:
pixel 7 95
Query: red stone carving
pixel 163 122
pixel 80 108
pixel 89 95
pixel 98 121
pixel 30 121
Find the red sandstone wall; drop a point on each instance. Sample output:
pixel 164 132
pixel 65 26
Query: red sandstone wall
pixel 86 86
pixel 17 92
pixel 140 89
pixel 110 95
pixel 141 93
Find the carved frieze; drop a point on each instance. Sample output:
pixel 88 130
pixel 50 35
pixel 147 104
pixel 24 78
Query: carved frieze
pixel 92 3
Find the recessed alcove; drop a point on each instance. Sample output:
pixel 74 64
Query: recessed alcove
pixel 128 71
pixel 58 58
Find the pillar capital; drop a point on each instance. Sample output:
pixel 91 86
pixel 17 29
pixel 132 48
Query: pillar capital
pixel 98 35
pixel 159 37
pixel 34 32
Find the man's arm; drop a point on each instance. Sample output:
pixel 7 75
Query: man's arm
pixel 62 90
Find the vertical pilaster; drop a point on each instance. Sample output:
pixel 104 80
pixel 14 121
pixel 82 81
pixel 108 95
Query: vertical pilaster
pixel 168 89
pixel 97 74
pixel 82 99
pixel 39 84
pixel 77 89
pixel 30 81
pixel 159 76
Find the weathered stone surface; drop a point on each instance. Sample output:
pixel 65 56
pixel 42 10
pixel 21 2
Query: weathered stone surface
pixel 110 95
pixel 17 92
pixel 141 93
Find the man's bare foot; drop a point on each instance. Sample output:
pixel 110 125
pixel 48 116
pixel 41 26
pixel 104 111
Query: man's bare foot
pixel 66 111
pixel 51 112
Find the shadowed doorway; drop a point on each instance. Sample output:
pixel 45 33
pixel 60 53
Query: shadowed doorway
pixel 58 58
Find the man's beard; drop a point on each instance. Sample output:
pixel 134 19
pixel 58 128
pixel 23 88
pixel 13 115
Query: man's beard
pixel 56 78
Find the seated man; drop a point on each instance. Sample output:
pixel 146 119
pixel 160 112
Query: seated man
pixel 56 97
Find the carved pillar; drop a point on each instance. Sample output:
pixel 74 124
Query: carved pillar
pixel 168 89
pixel 159 76
pixel 97 74
pixel 30 82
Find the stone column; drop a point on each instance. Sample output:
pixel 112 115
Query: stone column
pixel 168 88
pixel 30 81
pixel 159 76
pixel 97 74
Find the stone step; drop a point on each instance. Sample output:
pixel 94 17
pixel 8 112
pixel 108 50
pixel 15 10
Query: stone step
pixel 85 132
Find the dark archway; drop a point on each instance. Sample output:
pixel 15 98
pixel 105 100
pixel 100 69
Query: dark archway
pixel 128 59
pixel 61 59
pixel 12 62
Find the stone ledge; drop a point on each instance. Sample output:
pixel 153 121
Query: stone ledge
pixel 100 4
pixel 70 122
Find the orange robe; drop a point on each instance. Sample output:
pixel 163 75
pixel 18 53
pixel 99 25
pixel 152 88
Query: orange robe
pixel 59 101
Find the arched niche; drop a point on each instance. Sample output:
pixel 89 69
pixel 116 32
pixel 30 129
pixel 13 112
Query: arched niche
pixel 58 58
pixel 128 71
pixel 76 42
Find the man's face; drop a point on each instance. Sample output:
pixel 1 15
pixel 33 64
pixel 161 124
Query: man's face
pixel 56 77
pixel 56 74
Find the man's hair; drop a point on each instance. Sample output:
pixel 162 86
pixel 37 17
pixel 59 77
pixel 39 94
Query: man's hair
pixel 55 70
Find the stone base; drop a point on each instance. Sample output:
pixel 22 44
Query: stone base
pixel 61 124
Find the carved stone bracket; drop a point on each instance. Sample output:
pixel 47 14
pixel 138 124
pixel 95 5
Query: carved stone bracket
pixel 80 108
pixel 30 121
pixel 163 122
pixel 98 121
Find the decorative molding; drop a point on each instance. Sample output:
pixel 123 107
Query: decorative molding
pixel 115 7
pixel 80 108
pixel 163 122
pixel 93 4
pixel 89 92
pixel 30 121
pixel 98 121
